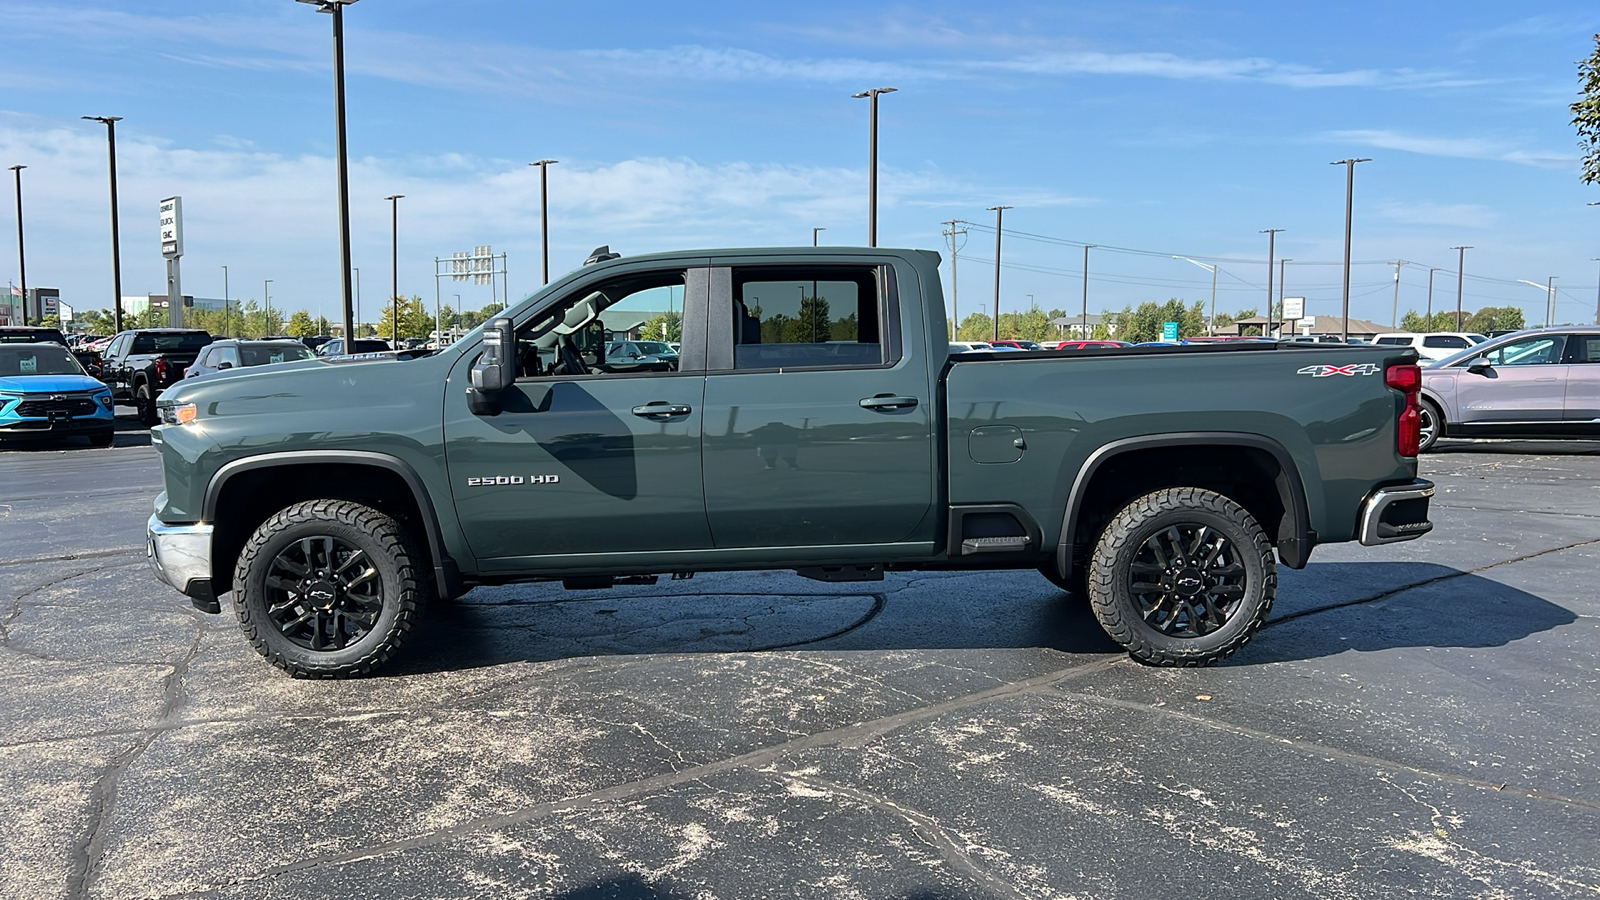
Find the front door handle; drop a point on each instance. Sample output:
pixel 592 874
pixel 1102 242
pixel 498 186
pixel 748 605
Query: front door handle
pixel 661 409
pixel 888 401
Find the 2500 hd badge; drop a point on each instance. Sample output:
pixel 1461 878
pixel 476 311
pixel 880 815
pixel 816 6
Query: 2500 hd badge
pixel 499 480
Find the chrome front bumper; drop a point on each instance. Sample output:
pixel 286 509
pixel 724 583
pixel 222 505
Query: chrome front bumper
pixel 1398 513
pixel 180 555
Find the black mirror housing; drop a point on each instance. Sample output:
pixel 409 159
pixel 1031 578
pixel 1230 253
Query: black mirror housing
pixel 496 369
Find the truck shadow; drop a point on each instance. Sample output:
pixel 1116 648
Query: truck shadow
pixel 1326 609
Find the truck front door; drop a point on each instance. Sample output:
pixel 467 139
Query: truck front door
pixel 818 409
pixel 586 458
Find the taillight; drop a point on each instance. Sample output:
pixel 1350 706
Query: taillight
pixel 1408 380
pixel 161 370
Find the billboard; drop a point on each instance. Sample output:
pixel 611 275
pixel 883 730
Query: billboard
pixel 172 227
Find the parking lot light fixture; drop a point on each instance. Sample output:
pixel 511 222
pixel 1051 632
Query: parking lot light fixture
pixel 544 215
pixel 1428 322
pixel 394 260
pixel 336 9
pixel 999 218
pixel 22 256
pixel 1541 287
pixel 1597 295
pixel 815 232
pixel 266 308
pixel 872 162
pixel 116 241
pixel 1349 208
pixel 1272 244
pixel 1211 326
pixel 1461 276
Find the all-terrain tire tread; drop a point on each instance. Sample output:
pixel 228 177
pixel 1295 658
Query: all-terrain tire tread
pixel 411 595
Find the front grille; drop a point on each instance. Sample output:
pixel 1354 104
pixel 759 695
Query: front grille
pixel 70 405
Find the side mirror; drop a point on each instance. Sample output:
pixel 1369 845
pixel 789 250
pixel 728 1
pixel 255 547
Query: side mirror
pixel 224 365
pixel 1479 365
pixel 495 370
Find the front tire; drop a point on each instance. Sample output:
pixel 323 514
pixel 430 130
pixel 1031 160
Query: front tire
pixel 145 402
pixel 329 589
pixel 1432 425
pixel 1182 577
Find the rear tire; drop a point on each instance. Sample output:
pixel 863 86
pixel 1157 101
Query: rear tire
pixel 1182 577
pixel 1432 425
pixel 145 402
pixel 329 589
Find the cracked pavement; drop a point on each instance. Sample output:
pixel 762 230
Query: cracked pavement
pixel 1418 719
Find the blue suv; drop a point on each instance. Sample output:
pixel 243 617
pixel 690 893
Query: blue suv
pixel 44 392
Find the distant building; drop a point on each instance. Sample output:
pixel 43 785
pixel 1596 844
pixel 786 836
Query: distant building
pixel 1082 327
pixel 137 304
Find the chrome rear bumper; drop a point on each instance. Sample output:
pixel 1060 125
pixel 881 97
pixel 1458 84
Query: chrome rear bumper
pixel 1396 513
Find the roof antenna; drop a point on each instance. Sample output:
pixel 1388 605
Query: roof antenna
pixel 601 254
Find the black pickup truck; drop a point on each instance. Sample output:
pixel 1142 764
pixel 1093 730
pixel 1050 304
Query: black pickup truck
pixel 139 365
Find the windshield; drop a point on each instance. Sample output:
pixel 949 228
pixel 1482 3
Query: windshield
pixel 652 347
pixel 170 342
pixel 31 336
pixel 16 360
pixel 266 354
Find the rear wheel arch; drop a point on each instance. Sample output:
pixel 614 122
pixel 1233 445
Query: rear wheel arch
pixel 1255 471
pixel 249 491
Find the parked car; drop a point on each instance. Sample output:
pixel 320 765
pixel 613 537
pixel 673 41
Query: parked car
pixel 1530 384
pixel 1435 346
pixel 336 501
pixel 1016 345
pixel 335 347
pixel 641 352
pixel 315 341
pixel 139 365
pixel 238 354
pixel 1085 345
pixel 968 346
pixel 45 392
pixel 29 334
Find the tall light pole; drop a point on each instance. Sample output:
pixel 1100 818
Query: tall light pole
pixel 1272 242
pixel 1212 325
pixel 1550 315
pixel 1394 315
pixel 1282 266
pixel 116 241
pixel 814 232
pixel 336 9
pixel 872 163
pixel 955 282
pixel 1596 295
pixel 1428 323
pixel 1546 289
pixel 22 256
pixel 225 330
pixel 1349 207
pixel 358 298
pixel 266 312
pixel 544 215
pixel 999 217
pixel 1461 277
pixel 394 270
pixel 1085 323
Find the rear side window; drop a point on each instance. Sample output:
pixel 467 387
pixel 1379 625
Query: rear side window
pixel 180 342
pixel 1583 348
pixel 1395 341
pixel 807 317
pixel 1446 341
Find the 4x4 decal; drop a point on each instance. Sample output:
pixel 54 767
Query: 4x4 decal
pixel 1352 369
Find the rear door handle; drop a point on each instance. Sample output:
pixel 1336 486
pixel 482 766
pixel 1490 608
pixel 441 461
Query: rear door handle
pixel 888 401
pixel 661 409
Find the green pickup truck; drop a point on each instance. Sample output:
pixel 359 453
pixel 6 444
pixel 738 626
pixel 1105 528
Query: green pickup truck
pixel 814 419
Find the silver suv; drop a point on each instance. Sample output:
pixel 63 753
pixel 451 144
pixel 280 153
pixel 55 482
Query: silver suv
pixel 1532 384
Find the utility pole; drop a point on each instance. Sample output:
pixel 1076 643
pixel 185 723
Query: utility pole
pixel 1282 263
pixel 544 216
pixel 394 272
pixel 225 330
pixel 116 242
pixel 955 305
pixel 22 256
pixel 1272 241
pixel 266 314
pixel 1394 316
pixel 1596 295
pixel 1461 276
pixel 999 217
pixel 872 164
pixel 1085 323
pixel 1349 207
pixel 1428 323
pixel 1550 302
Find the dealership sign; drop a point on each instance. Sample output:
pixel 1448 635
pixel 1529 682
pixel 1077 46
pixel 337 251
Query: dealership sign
pixel 172 227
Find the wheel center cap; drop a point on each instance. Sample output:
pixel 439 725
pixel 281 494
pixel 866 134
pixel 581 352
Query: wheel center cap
pixel 322 594
pixel 1188 582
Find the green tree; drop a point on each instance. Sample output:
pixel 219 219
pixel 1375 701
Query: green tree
pixel 1490 318
pixel 416 320
pixel 300 324
pixel 813 325
pixel 50 322
pixel 1586 114
pixel 975 327
pixel 1413 321
pixel 665 327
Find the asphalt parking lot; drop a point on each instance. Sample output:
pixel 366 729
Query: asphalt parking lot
pixel 1416 720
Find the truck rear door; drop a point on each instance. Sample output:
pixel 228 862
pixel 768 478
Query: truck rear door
pixel 818 426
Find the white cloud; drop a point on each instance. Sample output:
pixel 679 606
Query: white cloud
pixel 1460 148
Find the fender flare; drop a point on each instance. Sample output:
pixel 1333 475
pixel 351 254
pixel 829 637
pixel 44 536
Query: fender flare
pixel 444 568
pixel 1294 550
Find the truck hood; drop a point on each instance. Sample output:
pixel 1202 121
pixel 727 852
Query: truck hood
pixel 49 384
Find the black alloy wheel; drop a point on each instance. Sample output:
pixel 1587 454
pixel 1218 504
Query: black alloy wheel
pixel 323 593
pixel 1432 425
pixel 1187 580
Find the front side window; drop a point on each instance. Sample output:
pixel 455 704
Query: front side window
pixel 170 342
pixel 1534 351
pixel 825 316
pixel 575 337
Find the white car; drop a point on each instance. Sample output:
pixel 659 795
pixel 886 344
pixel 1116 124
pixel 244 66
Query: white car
pixel 1434 345
pixel 968 346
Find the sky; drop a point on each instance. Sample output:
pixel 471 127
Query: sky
pixel 1147 129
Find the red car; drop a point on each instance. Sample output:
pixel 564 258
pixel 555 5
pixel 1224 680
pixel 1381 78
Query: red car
pixel 1016 345
pixel 1085 345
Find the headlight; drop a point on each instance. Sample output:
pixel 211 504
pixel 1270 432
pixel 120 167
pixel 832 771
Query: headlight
pixel 179 414
pixel 105 400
